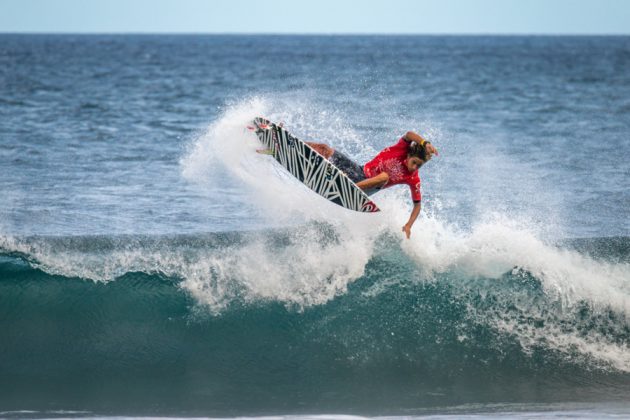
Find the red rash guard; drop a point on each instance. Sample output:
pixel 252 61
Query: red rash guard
pixel 392 160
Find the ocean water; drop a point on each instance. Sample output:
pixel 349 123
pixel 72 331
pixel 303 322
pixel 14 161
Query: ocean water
pixel 152 264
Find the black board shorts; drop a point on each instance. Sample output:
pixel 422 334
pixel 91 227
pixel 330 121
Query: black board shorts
pixel 353 170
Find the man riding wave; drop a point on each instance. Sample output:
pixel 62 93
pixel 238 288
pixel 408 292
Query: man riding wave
pixel 396 164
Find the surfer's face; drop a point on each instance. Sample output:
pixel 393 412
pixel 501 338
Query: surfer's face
pixel 414 163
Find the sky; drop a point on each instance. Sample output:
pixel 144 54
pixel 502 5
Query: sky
pixel 554 17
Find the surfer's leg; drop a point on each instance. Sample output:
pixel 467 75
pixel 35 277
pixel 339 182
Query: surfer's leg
pixel 377 181
pixel 353 170
pixel 323 149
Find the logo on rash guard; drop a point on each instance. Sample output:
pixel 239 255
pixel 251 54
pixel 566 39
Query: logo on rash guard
pixel 394 169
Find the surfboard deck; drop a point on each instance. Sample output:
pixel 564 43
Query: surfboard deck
pixel 311 168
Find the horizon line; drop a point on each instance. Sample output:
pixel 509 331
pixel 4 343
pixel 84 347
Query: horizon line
pixel 471 34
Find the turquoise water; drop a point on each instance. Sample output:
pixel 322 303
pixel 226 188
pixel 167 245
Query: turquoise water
pixel 152 264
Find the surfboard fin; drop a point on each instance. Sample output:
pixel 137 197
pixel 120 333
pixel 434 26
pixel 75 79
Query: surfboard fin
pixel 264 151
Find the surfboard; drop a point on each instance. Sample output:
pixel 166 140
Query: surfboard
pixel 311 168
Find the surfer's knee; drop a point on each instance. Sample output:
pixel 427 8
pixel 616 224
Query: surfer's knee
pixel 328 151
pixel 323 149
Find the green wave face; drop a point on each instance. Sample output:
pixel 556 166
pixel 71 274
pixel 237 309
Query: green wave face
pixel 397 338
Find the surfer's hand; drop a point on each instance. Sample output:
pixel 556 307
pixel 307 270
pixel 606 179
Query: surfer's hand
pixel 407 230
pixel 431 150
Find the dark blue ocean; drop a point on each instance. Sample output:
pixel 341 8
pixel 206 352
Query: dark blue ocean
pixel 152 264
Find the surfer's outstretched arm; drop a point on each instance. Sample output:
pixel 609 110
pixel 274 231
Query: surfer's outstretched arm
pixel 412 218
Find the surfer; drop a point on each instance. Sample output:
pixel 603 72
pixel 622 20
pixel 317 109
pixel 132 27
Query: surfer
pixel 397 164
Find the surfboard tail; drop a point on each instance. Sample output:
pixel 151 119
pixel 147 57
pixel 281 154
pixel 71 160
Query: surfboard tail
pixel 370 207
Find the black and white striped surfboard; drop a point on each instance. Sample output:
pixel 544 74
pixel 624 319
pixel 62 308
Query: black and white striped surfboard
pixel 311 168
